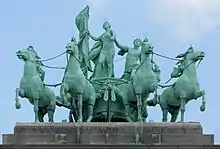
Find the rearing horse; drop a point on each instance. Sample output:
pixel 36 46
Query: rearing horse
pixel 75 86
pixel 184 89
pixel 33 88
pixel 143 83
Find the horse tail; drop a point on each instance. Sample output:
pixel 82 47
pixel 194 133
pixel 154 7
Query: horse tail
pixel 152 102
pixel 158 97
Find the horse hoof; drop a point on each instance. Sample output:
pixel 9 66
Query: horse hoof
pixel 140 120
pixel 202 108
pixel 79 121
pixel 18 106
pixel 129 119
pixel 89 119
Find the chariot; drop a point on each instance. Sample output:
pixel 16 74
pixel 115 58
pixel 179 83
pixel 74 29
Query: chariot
pixel 104 98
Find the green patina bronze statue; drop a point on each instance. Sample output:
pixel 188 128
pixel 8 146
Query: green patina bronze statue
pixel 75 89
pixel 103 52
pixel 132 58
pixel 83 46
pixel 33 88
pixel 176 96
pixel 141 85
pixel 101 97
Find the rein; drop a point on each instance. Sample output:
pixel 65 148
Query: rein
pixel 59 55
pixel 170 58
pixel 175 59
pixel 49 59
pixel 172 78
pixel 135 72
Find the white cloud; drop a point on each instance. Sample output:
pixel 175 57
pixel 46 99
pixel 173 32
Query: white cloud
pixel 190 19
pixel 187 19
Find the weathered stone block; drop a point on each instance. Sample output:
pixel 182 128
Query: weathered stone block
pixel 109 133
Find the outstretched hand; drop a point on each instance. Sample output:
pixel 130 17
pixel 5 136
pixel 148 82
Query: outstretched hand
pixel 121 53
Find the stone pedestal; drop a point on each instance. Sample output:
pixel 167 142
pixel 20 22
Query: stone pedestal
pixel 109 133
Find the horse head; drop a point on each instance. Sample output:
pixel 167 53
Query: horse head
pixel 193 57
pixel 27 55
pixel 146 48
pixel 190 56
pixel 72 47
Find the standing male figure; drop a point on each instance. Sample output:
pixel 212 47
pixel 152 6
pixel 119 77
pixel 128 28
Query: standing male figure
pixel 132 58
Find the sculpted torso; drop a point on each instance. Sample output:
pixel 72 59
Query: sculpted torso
pixel 132 59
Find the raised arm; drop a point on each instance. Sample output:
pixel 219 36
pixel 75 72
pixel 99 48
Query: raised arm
pixel 81 39
pixel 95 38
pixel 124 48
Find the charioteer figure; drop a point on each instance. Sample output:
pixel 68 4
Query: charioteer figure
pixel 177 71
pixel 132 58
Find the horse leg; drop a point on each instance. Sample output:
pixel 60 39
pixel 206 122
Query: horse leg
pixel 127 113
pixel 164 107
pixel 91 104
pixel 18 92
pixel 165 112
pixel 144 111
pixel 155 95
pixel 36 102
pixel 40 117
pixel 64 88
pixel 50 113
pixel 201 94
pixel 144 115
pixel 80 99
pixel 139 107
pixel 71 117
pixel 182 109
pixel 51 109
pixel 73 114
pixel 174 115
pixel 127 109
pixel 41 114
pixel 90 112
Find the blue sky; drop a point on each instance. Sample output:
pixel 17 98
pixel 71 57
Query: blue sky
pixel 171 26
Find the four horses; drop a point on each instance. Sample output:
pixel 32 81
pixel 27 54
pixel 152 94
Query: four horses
pixel 76 89
pixel 33 88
